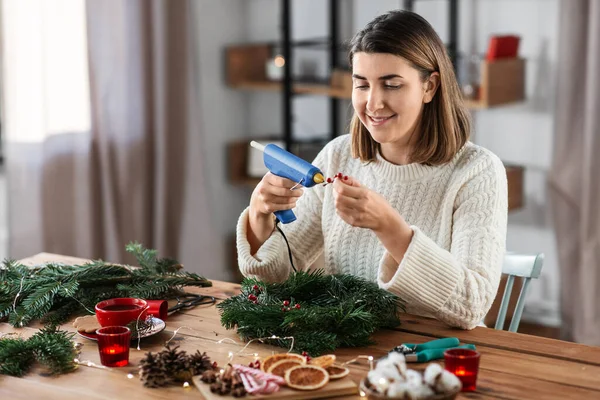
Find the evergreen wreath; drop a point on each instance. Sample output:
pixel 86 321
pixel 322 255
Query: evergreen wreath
pixel 321 312
pixel 54 292
pixel 51 347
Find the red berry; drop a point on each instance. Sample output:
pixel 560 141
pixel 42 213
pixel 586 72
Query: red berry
pixel 283 309
pixel 251 365
pixel 297 306
pixel 257 364
pixel 329 180
pixel 305 354
pixel 286 303
pixel 339 175
pixel 345 177
pixel 215 365
pixel 255 301
pixel 251 297
pixel 255 288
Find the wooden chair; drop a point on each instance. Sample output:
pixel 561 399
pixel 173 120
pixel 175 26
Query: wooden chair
pixel 526 266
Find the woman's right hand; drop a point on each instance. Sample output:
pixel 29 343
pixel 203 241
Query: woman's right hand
pixel 271 194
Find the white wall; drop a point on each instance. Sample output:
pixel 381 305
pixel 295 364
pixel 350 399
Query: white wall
pixel 224 118
pixel 520 134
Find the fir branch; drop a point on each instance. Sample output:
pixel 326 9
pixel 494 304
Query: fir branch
pixel 97 274
pixel 53 291
pixel 16 357
pixel 51 347
pixel 54 349
pixel 146 258
pixel 335 311
pixel 62 312
pixel 146 290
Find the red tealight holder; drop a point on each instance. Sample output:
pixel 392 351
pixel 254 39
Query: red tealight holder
pixel 158 308
pixel 463 363
pixel 113 345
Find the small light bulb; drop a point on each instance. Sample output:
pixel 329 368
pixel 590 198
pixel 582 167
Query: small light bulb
pixel 363 394
pixel 89 363
pixel 186 384
pixel 222 370
pixel 279 61
pixel 130 376
pixel 273 337
pixel 76 360
pixel 370 358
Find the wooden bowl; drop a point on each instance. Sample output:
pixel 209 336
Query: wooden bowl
pixel 372 395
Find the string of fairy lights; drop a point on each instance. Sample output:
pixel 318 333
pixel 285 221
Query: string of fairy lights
pixel 231 354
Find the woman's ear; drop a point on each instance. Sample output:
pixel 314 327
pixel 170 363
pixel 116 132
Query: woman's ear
pixel 431 85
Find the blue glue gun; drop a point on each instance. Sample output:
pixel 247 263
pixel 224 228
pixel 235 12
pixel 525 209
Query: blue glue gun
pixel 286 165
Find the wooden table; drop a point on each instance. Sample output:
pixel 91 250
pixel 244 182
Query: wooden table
pixel 513 366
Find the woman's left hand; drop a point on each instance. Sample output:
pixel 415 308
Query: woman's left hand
pixel 361 207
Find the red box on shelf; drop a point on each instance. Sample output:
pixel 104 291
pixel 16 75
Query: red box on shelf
pixel 503 47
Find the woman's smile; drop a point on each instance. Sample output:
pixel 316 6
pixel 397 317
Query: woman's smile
pixel 379 121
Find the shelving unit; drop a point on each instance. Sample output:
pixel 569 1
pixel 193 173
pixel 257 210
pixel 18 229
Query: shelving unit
pixel 502 82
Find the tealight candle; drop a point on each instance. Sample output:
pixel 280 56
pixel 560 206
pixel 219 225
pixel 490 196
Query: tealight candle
pixel 113 345
pixel 463 363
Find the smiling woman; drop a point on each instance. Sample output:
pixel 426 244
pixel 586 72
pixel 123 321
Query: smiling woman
pixel 399 65
pixel 421 210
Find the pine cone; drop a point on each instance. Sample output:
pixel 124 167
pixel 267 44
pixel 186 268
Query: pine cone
pixel 152 371
pixel 177 363
pixel 209 376
pixel 200 362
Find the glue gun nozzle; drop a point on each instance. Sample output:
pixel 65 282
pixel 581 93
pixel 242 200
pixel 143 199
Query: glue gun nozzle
pixel 318 178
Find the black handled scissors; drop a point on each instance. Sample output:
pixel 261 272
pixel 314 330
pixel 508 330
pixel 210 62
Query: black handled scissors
pixel 189 300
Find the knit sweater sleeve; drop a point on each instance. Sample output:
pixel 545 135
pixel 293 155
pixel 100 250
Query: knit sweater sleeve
pixel 457 286
pixel 305 236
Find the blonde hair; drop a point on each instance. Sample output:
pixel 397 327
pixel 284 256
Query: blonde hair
pixel 445 121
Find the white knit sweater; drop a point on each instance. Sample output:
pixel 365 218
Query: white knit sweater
pixel 458 212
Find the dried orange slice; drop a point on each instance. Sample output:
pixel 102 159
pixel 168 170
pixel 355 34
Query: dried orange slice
pixel 306 377
pixel 337 371
pixel 269 361
pixel 324 361
pixel 280 367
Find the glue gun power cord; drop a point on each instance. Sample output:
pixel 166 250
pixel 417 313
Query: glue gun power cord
pixel 287 243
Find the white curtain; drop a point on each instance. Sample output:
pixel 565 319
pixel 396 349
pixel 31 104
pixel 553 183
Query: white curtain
pixel 102 131
pixel 575 175
pixel 46 120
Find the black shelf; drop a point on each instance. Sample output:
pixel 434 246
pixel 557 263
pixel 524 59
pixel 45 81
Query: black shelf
pixel 332 45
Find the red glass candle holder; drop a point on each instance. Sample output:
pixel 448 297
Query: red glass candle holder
pixel 158 308
pixel 113 345
pixel 463 363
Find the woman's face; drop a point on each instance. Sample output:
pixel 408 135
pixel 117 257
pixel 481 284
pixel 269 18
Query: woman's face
pixel 388 97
